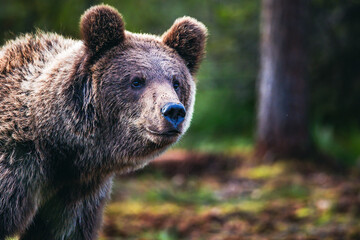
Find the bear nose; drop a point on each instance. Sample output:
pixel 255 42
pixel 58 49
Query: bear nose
pixel 174 113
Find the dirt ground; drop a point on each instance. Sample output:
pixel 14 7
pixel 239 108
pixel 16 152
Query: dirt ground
pixel 193 196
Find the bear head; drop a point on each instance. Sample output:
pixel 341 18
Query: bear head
pixel 143 85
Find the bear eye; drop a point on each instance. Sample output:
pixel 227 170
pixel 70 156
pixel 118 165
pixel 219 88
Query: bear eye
pixel 137 82
pixel 176 84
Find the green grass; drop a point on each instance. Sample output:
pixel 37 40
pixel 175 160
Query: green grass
pixel 200 196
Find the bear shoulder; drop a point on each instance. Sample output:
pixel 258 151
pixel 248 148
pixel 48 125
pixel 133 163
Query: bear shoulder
pixel 23 60
pixel 31 48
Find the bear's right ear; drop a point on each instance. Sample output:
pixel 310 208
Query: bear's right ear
pixel 102 27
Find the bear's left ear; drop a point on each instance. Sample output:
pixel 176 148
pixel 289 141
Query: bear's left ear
pixel 102 27
pixel 188 37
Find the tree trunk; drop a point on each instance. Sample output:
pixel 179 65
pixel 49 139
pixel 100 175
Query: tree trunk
pixel 282 129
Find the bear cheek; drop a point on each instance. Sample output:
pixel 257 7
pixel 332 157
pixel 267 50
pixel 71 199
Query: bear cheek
pixel 189 101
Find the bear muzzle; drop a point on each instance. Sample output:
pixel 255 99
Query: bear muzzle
pixel 173 115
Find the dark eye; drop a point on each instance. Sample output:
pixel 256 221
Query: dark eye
pixel 176 84
pixel 137 82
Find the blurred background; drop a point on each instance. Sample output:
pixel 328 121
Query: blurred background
pixel 225 115
pixel 280 81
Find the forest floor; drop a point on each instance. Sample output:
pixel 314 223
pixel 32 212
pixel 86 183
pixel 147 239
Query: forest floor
pixel 193 196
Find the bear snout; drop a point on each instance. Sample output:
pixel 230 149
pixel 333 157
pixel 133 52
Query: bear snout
pixel 174 113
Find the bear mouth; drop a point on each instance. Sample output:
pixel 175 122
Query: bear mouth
pixel 169 133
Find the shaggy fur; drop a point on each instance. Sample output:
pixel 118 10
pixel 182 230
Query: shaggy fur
pixel 72 115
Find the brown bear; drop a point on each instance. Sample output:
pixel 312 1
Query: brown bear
pixel 73 113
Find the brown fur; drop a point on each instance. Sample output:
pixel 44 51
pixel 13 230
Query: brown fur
pixel 101 27
pixel 70 118
pixel 188 37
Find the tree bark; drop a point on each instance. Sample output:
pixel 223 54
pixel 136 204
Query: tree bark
pixel 282 127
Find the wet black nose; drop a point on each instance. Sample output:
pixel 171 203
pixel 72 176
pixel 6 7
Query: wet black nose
pixel 174 113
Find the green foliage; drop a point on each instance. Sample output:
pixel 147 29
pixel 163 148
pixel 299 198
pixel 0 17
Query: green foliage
pixel 342 145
